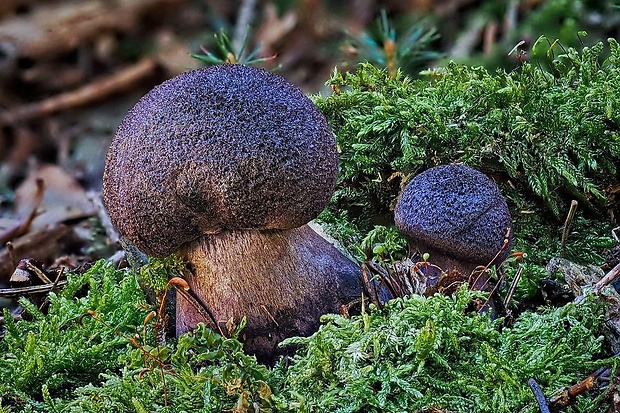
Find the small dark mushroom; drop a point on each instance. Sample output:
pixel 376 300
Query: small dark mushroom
pixel 225 166
pixel 458 216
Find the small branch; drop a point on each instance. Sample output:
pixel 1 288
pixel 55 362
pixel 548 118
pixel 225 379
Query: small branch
pixel 12 256
pixel 567 395
pixel 54 286
pixel 95 91
pixel 269 315
pixel 35 289
pixel 391 283
pixel 513 287
pixel 567 225
pixel 33 268
pixel 44 245
pixel 607 279
pixel 244 21
pixel 369 288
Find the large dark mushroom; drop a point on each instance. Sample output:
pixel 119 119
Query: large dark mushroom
pixel 225 166
pixel 458 216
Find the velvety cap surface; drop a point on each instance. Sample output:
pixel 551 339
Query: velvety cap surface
pixel 221 148
pixel 455 209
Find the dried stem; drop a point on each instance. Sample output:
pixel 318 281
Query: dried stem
pixel 567 395
pixel 567 225
pixel 12 256
pixel 33 268
pixel 607 279
pixel 35 289
pixel 369 288
pixel 391 283
pixel 54 286
pixel 89 93
pixel 513 287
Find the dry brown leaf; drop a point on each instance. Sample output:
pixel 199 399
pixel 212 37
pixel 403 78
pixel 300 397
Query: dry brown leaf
pixel 64 199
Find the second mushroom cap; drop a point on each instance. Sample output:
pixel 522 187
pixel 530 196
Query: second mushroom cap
pixel 455 211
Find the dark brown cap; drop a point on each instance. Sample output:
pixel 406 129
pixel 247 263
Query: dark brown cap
pixel 221 148
pixel 456 210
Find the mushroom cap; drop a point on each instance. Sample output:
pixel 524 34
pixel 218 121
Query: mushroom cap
pixel 456 210
pixel 220 148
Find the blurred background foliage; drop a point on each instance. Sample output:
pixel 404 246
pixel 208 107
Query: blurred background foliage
pixel 417 34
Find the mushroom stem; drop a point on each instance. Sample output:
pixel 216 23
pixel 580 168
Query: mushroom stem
pixel 448 263
pixel 282 281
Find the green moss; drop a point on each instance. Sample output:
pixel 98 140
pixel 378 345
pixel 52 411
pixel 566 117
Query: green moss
pixel 422 353
pixel 416 353
pixel 551 137
pixel 67 348
pixel 156 273
pixel 546 136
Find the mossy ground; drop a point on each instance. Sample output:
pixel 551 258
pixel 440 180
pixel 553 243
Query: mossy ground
pixel 546 135
pixel 93 352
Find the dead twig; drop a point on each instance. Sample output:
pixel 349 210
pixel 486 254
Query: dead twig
pixel 269 315
pixel 513 287
pixel 386 279
pixel 12 256
pixel 372 292
pixel 54 286
pixel 567 225
pixel 567 395
pixel 42 245
pixel 607 279
pixel 34 289
pixel 97 90
pixel 33 268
